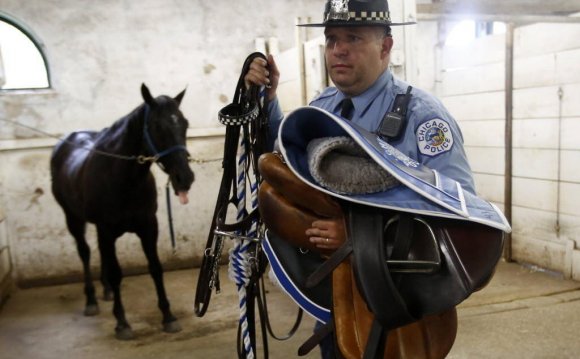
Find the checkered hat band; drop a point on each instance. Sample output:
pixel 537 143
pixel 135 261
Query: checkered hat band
pixel 369 16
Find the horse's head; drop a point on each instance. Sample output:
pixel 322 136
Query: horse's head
pixel 165 137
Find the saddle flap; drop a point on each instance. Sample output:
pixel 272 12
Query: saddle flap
pixel 479 248
pixel 444 262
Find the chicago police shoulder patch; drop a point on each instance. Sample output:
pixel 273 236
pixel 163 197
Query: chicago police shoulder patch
pixel 434 137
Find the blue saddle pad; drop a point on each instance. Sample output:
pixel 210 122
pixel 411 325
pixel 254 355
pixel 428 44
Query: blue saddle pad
pixel 422 190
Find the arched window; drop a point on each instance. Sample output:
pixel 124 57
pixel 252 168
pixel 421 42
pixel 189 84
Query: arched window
pixel 23 63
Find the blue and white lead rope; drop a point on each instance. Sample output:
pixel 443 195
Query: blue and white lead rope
pixel 240 270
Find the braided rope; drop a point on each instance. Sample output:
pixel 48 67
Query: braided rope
pixel 239 269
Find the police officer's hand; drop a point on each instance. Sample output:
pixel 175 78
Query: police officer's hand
pixel 327 234
pixel 264 73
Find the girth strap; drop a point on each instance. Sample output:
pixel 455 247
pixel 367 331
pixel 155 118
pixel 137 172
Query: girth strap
pixel 376 342
pixel 365 228
pixel 315 339
pixel 329 265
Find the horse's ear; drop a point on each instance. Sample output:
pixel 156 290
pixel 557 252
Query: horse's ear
pixel 179 97
pixel 147 95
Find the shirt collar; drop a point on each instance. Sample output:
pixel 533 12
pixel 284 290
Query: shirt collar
pixel 363 101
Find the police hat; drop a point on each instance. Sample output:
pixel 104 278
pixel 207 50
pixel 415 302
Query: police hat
pixel 356 13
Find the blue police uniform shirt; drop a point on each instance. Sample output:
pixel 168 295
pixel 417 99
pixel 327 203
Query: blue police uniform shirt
pixel 431 135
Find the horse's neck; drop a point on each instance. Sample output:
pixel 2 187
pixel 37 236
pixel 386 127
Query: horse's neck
pixel 125 136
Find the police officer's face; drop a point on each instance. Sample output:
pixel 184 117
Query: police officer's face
pixel 356 56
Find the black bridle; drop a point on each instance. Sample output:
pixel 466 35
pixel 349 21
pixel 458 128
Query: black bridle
pixel 156 154
pixel 238 117
pixel 246 138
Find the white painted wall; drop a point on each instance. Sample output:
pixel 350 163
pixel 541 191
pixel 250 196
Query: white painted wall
pixel 546 183
pixel 99 53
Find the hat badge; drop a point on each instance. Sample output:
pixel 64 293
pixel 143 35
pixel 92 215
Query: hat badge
pixel 338 10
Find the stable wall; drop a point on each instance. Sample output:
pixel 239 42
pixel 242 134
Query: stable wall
pixel 99 53
pixel 546 153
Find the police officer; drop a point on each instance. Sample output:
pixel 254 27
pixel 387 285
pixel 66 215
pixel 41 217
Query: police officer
pixel 358 47
pixel 357 52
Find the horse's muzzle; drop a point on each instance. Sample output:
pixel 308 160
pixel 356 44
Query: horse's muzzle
pixel 181 181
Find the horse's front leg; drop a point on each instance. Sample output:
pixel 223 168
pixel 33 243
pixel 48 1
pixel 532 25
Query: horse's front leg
pixel 114 277
pixel 148 235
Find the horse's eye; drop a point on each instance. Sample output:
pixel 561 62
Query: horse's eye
pixel 174 118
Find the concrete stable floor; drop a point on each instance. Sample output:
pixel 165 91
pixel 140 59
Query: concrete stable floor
pixel 521 314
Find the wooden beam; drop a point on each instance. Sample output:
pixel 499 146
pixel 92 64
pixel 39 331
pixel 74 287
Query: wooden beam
pixel 518 19
pixel 512 7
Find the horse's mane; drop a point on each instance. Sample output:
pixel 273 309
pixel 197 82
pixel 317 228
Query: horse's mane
pixel 116 135
pixel 118 130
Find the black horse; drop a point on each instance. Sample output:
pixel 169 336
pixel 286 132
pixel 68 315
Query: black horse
pixel 104 178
